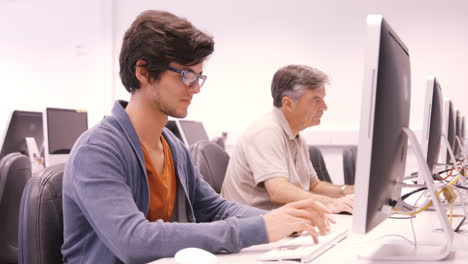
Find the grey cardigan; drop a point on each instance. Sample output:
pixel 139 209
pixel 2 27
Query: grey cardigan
pixel 105 200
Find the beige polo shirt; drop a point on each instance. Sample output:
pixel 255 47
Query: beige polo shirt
pixel 267 150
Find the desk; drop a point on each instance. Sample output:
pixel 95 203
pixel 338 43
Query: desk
pixel 426 225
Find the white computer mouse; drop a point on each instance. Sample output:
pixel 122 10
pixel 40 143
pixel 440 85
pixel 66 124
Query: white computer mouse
pixel 195 256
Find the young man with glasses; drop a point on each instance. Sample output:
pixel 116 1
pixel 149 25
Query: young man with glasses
pixel 131 192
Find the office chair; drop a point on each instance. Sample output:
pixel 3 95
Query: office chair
pixel 221 140
pixel 212 162
pixel 319 164
pixel 41 218
pixel 15 171
pixel 349 163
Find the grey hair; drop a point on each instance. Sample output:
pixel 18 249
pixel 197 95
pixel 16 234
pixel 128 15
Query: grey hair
pixel 292 80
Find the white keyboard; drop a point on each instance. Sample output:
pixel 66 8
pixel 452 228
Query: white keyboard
pixel 303 249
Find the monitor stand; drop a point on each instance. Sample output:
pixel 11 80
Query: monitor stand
pixel 450 151
pixel 460 145
pixel 400 250
pixel 37 162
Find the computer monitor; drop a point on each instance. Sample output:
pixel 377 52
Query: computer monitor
pixel 459 142
pixel 462 133
pixel 432 126
pixel 448 131
pixel 172 126
pixel 22 124
pixel 462 129
pixel 385 110
pixel 188 131
pixel 452 132
pixel 456 147
pixel 383 145
pixel 62 127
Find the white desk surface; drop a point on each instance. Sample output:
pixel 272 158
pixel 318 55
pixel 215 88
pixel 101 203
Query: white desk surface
pixel 426 225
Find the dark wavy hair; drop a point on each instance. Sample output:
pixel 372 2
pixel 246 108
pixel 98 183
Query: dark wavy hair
pixel 158 38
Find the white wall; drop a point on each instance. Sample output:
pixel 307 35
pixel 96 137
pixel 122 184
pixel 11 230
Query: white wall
pixel 62 53
pixel 55 54
pixel 255 38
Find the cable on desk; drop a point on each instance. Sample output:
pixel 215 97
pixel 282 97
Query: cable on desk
pixel 405 217
pixel 461 186
pixel 413 192
pixel 415 243
pixel 448 175
pixel 425 207
pixel 435 176
pixel 451 211
pixel 414 233
pixel 457 228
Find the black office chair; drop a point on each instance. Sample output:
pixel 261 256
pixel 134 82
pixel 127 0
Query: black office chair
pixel 41 218
pixel 212 162
pixel 15 171
pixel 319 164
pixel 349 164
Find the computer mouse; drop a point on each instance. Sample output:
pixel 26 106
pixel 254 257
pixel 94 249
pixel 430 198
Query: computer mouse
pixel 195 256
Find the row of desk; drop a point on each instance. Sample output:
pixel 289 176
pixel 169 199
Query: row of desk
pixel 427 231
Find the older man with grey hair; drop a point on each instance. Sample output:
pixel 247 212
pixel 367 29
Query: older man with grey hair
pixel 270 164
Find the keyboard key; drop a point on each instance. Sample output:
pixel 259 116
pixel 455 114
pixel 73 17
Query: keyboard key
pixel 302 248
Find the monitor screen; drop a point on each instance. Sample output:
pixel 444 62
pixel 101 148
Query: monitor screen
pixel 432 126
pixel 22 124
pixel 451 132
pixel 385 110
pixel 457 150
pixel 188 131
pixel 462 128
pixel 192 131
pixel 64 126
pixel 172 126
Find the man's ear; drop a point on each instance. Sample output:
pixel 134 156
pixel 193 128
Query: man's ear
pixel 141 73
pixel 288 103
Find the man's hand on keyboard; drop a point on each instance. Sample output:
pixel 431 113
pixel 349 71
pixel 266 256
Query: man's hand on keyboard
pixel 342 204
pixel 304 215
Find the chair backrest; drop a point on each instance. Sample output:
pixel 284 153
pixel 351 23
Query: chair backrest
pixel 319 164
pixel 349 163
pixel 15 171
pixel 212 162
pixel 41 218
pixel 220 141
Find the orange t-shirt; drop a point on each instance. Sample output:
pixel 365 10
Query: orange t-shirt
pixel 162 187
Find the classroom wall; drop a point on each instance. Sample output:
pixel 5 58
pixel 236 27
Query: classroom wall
pixel 255 38
pixel 55 54
pixel 64 54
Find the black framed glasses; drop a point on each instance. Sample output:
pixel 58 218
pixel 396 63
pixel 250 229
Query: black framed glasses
pixel 189 78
